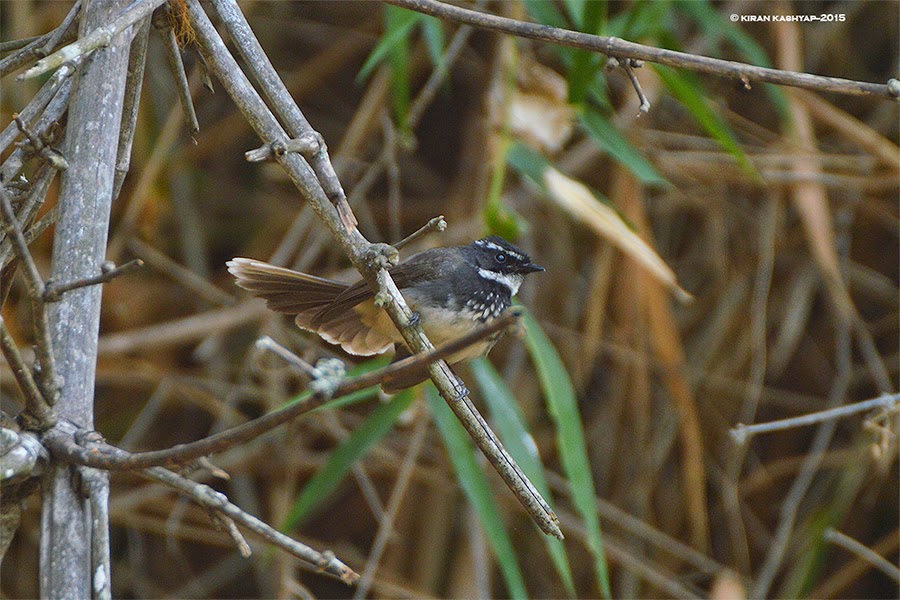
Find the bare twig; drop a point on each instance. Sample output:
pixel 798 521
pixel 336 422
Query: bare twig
pixel 48 381
pixel 435 224
pixel 39 102
pixel 370 259
pixel 741 433
pixel 35 48
pixel 134 82
pixel 386 527
pixel 166 32
pixel 98 38
pixel 54 158
pixel 267 343
pixel 64 29
pixel 109 271
pixel 848 543
pixel 41 128
pixel 629 65
pixel 252 429
pixel 12 45
pixel 293 120
pixel 791 503
pixel 304 145
pixel 180 274
pixel 205 496
pixel 612 46
pixel 227 524
pixel 35 405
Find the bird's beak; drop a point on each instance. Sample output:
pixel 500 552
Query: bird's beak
pixel 532 268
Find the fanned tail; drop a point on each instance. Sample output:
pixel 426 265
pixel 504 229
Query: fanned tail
pixel 307 296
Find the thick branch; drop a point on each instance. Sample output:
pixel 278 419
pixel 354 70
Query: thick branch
pixel 615 47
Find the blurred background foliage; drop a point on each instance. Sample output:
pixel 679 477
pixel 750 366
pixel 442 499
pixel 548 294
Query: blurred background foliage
pixel 776 210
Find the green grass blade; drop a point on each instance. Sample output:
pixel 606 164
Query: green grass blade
pixel 563 406
pixel 715 25
pixel 433 32
pixel 546 13
pixel 363 439
pixel 510 422
pixel 618 146
pixel 684 86
pixel 399 24
pixel 477 489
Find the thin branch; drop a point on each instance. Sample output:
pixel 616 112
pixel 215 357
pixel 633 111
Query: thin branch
pixel 611 46
pixel 741 433
pixel 49 379
pixel 386 526
pixel 109 271
pixel 38 103
pixel 134 82
pixel 864 552
pixel 53 158
pixel 65 28
pixel 205 496
pixel 435 224
pixel 166 33
pixel 119 460
pixel 12 45
pixel 293 120
pixel 370 259
pixel 42 127
pixel 34 49
pixel 35 405
pixel 187 278
pixel 98 38
pixel 629 65
pixel 227 524
pixel 267 343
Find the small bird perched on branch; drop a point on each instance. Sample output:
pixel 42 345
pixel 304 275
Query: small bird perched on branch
pixel 452 290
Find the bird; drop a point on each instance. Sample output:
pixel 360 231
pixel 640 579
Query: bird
pixel 452 290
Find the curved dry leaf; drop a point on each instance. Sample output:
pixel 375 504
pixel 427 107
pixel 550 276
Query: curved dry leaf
pixel 576 199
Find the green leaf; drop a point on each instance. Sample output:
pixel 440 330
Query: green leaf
pixel 433 32
pixel 576 10
pixel 560 395
pixel 546 13
pixel 528 163
pixel 512 428
pixel 618 146
pixel 477 489
pixel 498 218
pixel 684 86
pixel 396 18
pixel 399 23
pixel 363 439
pixel 715 25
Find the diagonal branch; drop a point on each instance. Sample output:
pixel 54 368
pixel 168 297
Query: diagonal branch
pixel 371 260
pixel 57 440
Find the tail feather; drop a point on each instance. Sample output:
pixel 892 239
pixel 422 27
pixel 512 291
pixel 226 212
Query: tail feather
pixel 307 296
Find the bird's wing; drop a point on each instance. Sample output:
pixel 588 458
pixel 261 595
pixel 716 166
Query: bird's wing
pixel 417 269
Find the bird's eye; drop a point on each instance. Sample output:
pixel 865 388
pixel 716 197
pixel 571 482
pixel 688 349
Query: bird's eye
pixel 501 258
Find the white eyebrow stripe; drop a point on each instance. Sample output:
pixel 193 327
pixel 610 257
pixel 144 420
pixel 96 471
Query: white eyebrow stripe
pixel 493 246
pixel 512 281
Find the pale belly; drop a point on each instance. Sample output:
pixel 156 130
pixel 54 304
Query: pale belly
pixel 440 325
